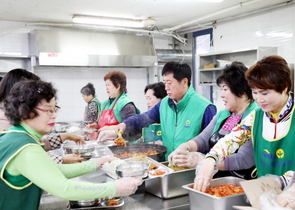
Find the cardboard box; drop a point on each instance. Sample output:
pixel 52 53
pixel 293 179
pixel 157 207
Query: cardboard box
pixel 254 188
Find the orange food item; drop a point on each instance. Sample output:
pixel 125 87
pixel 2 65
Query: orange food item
pixel 224 190
pixel 158 173
pixel 120 142
pixel 112 203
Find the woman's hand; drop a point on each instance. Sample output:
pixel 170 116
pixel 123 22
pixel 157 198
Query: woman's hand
pixel 127 185
pixel 287 198
pixel 204 174
pixel 72 158
pixel 91 125
pixel 73 137
pixel 103 160
pixel 183 158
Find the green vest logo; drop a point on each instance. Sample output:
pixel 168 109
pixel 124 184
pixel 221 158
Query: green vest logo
pixel 187 124
pixel 159 133
pixel 280 153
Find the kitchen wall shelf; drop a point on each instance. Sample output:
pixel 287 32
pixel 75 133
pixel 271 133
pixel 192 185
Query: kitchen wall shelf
pixel 207 76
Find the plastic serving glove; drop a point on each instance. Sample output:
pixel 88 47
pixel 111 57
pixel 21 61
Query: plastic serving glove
pixel 287 198
pixel 182 147
pixel 127 185
pixel 188 159
pixel 106 134
pixel 103 160
pixel 204 173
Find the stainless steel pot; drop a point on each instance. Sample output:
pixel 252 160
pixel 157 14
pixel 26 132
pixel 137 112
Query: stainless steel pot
pixel 140 148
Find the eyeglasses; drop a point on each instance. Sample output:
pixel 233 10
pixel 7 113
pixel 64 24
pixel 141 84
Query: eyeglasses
pixel 49 111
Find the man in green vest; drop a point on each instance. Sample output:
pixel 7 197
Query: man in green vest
pixel 183 113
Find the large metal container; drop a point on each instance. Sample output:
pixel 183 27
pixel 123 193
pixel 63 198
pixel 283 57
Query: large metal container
pixel 170 185
pixel 140 148
pixel 201 201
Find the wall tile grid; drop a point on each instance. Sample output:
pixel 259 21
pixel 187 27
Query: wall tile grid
pixel 274 28
pixel 69 81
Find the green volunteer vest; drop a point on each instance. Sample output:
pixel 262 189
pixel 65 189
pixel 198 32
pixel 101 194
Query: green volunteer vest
pixel 98 106
pixel 20 193
pixel 152 133
pixel 224 114
pixel 185 123
pixel 121 102
pixel 275 156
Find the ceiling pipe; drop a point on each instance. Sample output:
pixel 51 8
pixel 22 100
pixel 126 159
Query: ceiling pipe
pixel 241 4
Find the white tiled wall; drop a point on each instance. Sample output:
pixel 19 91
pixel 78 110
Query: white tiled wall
pixel 69 81
pixel 274 28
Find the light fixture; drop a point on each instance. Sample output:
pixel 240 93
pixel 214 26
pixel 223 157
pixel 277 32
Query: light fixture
pixel 107 21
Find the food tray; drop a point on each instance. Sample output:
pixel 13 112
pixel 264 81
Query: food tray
pixel 98 206
pixel 202 201
pixel 170 186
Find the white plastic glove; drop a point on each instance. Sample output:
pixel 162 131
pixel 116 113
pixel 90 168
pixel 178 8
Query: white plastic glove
pixel 103 160
pixel 106 134
pixel 127 185
pixel 183 147
pixel 204 173
pixel 188 159
pixel 287 198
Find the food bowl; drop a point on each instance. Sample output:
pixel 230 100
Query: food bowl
pixel 158 172
pixel 83 150
pixel 133 169
pixel 112 201
pixel 85 203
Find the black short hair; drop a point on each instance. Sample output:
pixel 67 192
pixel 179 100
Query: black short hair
pixel 158 88
pixel 179 71
pixel 233 76
pixel 24 97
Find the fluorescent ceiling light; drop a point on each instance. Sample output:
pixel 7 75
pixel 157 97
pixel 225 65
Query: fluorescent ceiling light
pixel 111 21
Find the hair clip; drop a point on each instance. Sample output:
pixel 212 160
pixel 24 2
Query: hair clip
pixel 39 90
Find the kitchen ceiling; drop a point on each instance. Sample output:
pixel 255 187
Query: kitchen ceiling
pixel 171 15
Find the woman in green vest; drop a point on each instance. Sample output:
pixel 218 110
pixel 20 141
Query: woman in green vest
pixel 154 93
pixel 270 128
pixel 26 169
pixel 238 102
pixel 92 110
pixel 118 106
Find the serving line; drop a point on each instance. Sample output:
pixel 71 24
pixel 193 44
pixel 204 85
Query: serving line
pixel 141 200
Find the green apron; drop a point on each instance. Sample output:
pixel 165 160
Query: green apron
pixel 20 193
pixel 184 123
pixel 152 133
pixel 275 156
pixel 98 106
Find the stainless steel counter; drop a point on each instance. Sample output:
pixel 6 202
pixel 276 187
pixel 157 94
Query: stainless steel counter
pixel 141 200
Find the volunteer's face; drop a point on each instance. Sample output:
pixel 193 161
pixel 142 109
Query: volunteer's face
pixel 112 91
pixel 151 99
pixel 87 98
pixel 175 90
pixel 231 101
pixel 270 100
pixel 45 121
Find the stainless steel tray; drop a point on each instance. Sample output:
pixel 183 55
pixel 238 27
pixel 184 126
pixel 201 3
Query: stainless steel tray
pixel 201 201
pixel 170 186
pixel 98 206
pixel 160 165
